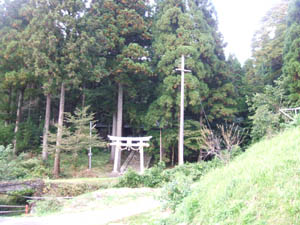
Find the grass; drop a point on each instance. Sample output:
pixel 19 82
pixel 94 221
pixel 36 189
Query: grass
pixel 90 180
pixel 102 199
pixel 262 186
pixel 71 168
pixel 151 217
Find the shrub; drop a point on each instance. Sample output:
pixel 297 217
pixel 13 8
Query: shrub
pixel 130 179
pixel 46 206
pixel 175 191
pixel 154 177
pixel 157 176
pixel 16 197
pixel 9 168
pixel 70 189
pixel 28 137
pixel 19 167
pixel 265 108
pixel 6 133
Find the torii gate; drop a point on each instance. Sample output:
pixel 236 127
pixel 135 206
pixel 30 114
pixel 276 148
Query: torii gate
pixel 285 112
pixel 129 143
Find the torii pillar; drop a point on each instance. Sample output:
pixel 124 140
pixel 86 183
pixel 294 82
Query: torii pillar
pixel 129 143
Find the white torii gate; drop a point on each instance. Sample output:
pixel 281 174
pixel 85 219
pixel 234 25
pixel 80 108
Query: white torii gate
pixel 129 143
pixel 285 112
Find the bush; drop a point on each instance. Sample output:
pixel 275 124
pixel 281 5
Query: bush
pixel 154 177
pixel 6 134
pixel 157 176
pixel 130 179
pixel 46 206
pixel 16 197
pixel 29 137
pixel 19 167
pixel 265 108
pixel 175 191
pixel 35 168
pixel 9 168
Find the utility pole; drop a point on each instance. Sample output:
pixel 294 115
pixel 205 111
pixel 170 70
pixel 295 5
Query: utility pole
pixel 181 129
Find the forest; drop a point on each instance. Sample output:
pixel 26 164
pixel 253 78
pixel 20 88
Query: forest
pixel 65 63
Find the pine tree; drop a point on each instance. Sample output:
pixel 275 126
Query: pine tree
pixel 291 53
pixel 189 28
pixel 77 136
pixel 16 73
pixel 127 31
pixel 267 44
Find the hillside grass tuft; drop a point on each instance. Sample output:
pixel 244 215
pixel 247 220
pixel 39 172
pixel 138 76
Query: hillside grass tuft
pixel 261 186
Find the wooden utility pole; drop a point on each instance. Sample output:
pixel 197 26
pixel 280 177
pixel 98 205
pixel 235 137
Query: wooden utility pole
pixel 181 129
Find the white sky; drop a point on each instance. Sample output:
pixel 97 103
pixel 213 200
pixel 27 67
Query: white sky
pixel 238 20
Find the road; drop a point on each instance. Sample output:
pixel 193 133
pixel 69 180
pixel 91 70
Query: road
pixel 100 217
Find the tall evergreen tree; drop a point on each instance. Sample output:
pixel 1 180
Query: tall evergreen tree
pixel 127 30
pixel 68 52
pixel 189 28
pixel 292 54
pixel 16 73
pixel 267 44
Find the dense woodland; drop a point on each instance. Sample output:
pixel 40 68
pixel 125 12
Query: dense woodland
pixel 114 62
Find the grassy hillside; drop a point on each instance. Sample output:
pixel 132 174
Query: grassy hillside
pixel 262 186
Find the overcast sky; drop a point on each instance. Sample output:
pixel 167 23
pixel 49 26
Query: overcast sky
pixel 238 20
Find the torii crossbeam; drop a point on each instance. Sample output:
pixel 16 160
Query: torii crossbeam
pixel 129 143
pixel 285 112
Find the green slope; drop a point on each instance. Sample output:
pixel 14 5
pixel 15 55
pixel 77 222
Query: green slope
pixel 262 186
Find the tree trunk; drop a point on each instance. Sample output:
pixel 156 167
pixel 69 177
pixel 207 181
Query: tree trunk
pixel 200 156
pixel 114 133
pixel 119 118
pixel 173 156
pixel 83 97
pixel 46 128
pixel 8 119
pixel 18 120
pixel 161 150
pixel 56 169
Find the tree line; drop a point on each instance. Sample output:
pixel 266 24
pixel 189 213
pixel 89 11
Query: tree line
pixel 120 57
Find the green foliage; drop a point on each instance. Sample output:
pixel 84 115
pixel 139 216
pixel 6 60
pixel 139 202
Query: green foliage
pixel 16 197
pixel 77 136
pixel 19 167
pixel 268 44
pixel 61 188
pixel 9 168
pixel 44 207
pixel 130 179
pixel 265 106
pixel 157 176
pixel 192 170
pixel 6 134
pixel 175 191
pixel 152 177
pixel 259 178
pixel 291 53
pixel 29 137
pixel 35 168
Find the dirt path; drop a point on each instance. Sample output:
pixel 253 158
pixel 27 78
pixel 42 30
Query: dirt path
pixel 97 217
